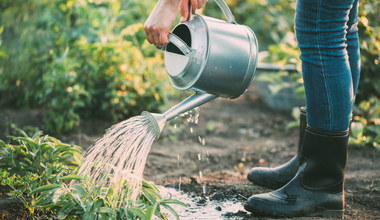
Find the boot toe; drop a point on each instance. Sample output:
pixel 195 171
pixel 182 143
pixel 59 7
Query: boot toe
pixel 266 204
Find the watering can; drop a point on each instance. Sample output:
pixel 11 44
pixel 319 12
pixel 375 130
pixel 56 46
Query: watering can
pixel 212 57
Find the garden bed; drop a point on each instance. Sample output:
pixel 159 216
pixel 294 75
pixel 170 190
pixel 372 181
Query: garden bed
pixel 238 134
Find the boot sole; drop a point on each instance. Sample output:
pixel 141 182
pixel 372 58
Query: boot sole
pixel 326 213
pixel 320 212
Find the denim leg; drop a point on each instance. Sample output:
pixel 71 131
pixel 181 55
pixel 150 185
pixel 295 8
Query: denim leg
pixel 353 45
pixel 328 53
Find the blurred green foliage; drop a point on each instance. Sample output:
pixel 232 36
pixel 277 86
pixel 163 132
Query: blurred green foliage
pixel 271 20
pixel 365 126
pixel 78 59
pixel 369 35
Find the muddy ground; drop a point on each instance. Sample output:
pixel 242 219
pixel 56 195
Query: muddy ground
pixel 238 135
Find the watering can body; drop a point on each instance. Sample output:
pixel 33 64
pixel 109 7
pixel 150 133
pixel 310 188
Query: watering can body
pixel 212 57
pixel 220 58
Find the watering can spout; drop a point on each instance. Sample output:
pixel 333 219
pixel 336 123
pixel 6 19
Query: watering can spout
pixel 159 120
pixel 191 102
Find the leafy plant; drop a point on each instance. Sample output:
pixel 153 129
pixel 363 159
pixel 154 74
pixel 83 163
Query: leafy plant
pixel 83 200
pixel 40 172
pixel 80 59
pixel 32 162
pixel 38 154
pixel 365 126
pixel 369 36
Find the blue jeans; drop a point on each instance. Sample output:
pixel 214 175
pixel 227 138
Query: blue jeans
pixel 327 36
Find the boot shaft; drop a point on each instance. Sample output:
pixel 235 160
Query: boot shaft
pixel 325 155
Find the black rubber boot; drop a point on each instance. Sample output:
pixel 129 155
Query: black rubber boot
pixel 317 188
pixel 277 177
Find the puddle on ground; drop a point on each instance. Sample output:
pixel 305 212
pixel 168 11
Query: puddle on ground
pixel 214 206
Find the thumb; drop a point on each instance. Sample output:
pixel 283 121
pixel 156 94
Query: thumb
pixel 184 9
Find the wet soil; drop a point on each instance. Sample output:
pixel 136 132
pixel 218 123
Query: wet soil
pixel 239 134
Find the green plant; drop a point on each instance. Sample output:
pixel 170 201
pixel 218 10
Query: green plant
pixel 38 154
pixel 11 129
pixel 369 36
pixel 40 172
pixel 83 200
pixel 20 186
pixel 31 162
pixel 78 59
pixel 365 125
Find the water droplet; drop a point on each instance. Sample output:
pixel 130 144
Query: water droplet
pixel 204 189
pixel 200 174
pixel 180 183
pixel 199 156
pixel 191 130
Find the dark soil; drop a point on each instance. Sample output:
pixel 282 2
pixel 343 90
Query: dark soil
pixel 239 134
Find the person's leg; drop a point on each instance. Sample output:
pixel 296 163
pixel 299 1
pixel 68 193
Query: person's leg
pixel 353 45
pixel 277 177
pixel 321 30
pixel 317 188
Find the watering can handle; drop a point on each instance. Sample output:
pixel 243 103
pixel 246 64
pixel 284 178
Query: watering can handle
pixel 226 11
pixel 178 42
pixel 223 6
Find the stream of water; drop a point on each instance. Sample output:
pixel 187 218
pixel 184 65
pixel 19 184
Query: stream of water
pixel 119 156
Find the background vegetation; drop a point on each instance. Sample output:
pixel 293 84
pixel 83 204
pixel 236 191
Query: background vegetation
pixel 78 59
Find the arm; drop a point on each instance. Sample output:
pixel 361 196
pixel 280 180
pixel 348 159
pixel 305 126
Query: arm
pixel 160 20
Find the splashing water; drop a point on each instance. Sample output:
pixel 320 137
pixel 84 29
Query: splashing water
pixel 119 156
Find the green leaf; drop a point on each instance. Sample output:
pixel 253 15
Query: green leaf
pixel 51 205
pixel 357 129
pixel 97 205
pixel 37 134
pixel 138 213
pixel 2 144
pixel 150 195
pixel 149 212
pixel 89 215
pixel 65 210
pixel 78 190
pixel 166 206
pixel 45 188
pixel 71 177
pixel 106 210
pixel 173 201
pixel 145 184
pixel 57 195
pixel 30 144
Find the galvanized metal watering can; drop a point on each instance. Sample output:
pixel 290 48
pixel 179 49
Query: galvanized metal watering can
pixel 209 56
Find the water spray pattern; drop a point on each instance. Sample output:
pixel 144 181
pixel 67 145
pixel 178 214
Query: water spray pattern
pixel 119 156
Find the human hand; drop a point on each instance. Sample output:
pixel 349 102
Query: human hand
pixel 184 7
pixel 160 20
